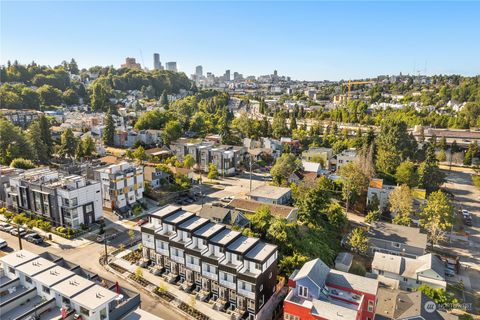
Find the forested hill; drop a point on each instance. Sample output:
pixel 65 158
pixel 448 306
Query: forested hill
pixel 33 86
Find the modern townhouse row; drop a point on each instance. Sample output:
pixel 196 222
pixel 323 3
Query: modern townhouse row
pixel 67 200
pixel 237 272
pixel 227 159
pixel 46 286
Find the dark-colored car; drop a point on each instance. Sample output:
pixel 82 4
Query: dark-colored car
pixel 34 238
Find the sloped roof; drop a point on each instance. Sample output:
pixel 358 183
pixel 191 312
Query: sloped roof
pixel 316 270
pixel 353 281
pixel 400 234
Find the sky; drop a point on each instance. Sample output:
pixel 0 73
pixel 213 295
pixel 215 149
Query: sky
pixel 312 40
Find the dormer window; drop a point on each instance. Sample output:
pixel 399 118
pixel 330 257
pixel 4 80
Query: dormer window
pixel 303 291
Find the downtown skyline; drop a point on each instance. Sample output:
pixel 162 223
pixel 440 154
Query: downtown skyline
pixel 307 41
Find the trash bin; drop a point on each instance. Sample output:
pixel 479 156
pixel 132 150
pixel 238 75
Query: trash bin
pixel 50 236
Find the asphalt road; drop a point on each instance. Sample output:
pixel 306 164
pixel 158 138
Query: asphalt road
pixel 87 257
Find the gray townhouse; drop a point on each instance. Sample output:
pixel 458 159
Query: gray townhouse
pixel 236 272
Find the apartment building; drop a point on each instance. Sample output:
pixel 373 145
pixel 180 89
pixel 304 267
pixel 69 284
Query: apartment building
pixel 236 272
pixel 47 287
pixel 122 185
pixel 318 292
pixel 21 118
pixel 227 159
pixel 66 200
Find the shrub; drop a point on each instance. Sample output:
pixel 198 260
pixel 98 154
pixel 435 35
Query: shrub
pixel 21 163
pixel 61 229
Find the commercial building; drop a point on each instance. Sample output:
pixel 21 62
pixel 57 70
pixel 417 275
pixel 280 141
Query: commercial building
pixel 237 273
pixel 48 287
pixel 131 63
pixel 318 292
pixel 171 66
pixel 157 65
pixel 122 185
pixel 199 71
pixel 66 200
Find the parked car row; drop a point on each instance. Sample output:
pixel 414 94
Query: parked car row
pixel 186 200
pixel 30 236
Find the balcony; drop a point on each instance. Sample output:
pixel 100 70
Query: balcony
pixel 210 275
pixel 246 293
pixel 228 284
pixel 192 266
pixel 178 259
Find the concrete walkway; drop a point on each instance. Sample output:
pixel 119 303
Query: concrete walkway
pixel 203 307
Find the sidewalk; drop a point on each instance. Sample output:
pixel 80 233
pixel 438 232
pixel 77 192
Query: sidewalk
pixel 203 307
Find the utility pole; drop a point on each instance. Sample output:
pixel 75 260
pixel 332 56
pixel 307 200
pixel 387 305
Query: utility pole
pixel 250 173
pixel 106 252
pixel 19 238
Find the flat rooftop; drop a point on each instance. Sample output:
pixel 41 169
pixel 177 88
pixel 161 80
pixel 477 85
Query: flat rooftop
pixel 165 211
pixel 242 244
pixel 193 223
pixel 178 217
pixel 53 276
pixel 35 266
pixel 270 192
pixel 208 230
pixel 94 297
pixel 72 286
pixel 18 258
pixel 261 251
pixel 224 237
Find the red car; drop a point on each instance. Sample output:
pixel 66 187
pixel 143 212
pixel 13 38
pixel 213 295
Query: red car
pixel 141 221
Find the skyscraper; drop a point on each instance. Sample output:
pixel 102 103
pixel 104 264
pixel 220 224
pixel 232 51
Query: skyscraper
pixel 171 66
pixel 227 75
pixel 157 65
pixel 199 71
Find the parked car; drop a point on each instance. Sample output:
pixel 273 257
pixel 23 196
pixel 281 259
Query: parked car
pixel 227 199
pixel 467 220
pixel 3 244
pixel 4 225
pixel 465 212
pixel 449 273
pixel 141 222
pixel 34 238
pixel 9 228
pixel 20 231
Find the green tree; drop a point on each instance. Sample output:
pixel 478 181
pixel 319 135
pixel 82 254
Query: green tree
pixel 88 146
pixel 358 240
pixel 336 216
pixel 284 166
pixel 73 67
pixel 293 122
pixel 261 220
pixel 109 131
pixel 70 97
pixel 21 163
pixel 372 216
pixel 100 97
pixel 438 295
pixel 188 161
pixel 68 144
pixel 39 147
pixel 212 172
pixel 430 176
pixel 50 96
pixel 13 143
pixel 79 152
pixel 354 183
pixel 140 154
pixel 279 125
pixel 173 131
pixel 441 156
pixel 164 100
pixel 437 216
pixel 46 134
pixel 401 204
pixel 406 174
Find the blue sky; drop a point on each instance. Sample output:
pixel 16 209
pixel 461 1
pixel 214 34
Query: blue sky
pixel 305 40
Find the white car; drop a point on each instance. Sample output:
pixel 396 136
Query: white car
pixel 3 243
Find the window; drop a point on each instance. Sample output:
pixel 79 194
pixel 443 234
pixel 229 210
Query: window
pixel 419 282
pixel 251 304
pixel 303 291
pixel 28 279
pixel 11 270
pixel 370 305
pixel 204 242
pixel 261 287
pixel 84 311
pixel 288 316
pixel 258 266
pixel 89 208
pixel 396 244
pixel 381 272
pixel 405 279
pixel 46 290
pixel 270 275
pixel 65 300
